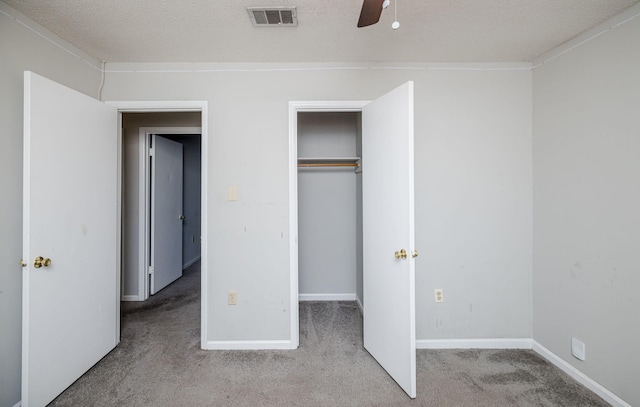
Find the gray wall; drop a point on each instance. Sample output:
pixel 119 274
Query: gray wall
pixel 587 206
pixel 191 202
pixel 131 123
pixel 23 49
pixel 327 211
pixel 473 187
pixel 359 261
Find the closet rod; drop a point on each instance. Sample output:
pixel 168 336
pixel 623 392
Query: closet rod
pixel 327 165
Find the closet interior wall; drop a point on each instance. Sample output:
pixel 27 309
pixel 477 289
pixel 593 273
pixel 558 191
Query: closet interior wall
pixel 329 208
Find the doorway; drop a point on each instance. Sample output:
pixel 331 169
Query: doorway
pixel 145 271
pixel 388 243
pixel 296 109
pixel 163 114
pixel 330 206
pixel 78 184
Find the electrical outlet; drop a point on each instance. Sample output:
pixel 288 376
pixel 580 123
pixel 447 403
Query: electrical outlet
pixel 578 349
pixel 233 298
pixel 439 295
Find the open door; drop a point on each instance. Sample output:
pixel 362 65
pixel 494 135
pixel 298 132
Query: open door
pixel 166 212
pixel 388 235
pixel 71 221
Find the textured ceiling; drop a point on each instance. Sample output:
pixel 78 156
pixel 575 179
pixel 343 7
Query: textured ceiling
pixel 220 30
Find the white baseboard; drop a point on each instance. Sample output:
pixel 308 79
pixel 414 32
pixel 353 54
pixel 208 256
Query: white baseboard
pixel 18 404
pixel 490 343
pixel 327 297
pixel 580 377
pixel 130 298
pixel 190 262
pixel 360 305
pixel 248 345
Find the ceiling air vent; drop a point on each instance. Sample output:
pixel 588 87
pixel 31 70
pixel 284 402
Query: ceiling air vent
pixel 273 16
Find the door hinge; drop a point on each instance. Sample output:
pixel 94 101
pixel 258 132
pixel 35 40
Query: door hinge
pixel 150 270
pixel 150 151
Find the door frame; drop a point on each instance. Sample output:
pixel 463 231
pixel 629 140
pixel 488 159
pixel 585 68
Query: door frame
pixel 167 107
pixel 144 199
pixel 294 108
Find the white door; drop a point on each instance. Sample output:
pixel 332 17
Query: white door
pixel 388 227
pixel 70 217
pixel 166 212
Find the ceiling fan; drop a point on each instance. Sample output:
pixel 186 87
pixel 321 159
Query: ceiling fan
pixel 371 12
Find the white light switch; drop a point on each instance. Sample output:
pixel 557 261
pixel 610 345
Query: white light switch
pixel 233 297
pixel 232 193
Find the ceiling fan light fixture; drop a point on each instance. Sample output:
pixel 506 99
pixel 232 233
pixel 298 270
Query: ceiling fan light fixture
pixel 370 13
pixel 396 24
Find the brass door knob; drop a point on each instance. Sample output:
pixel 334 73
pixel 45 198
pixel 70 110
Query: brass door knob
pixel 414 254
pixel 23 263
pixel 402 254
pixel 41 262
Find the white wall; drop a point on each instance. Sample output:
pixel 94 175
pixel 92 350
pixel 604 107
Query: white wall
pixel 587 205
pixel 327 205
pixel 473 204
pixel 21 49
pixel 473 186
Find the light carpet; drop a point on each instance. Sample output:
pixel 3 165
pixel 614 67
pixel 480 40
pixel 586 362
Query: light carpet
pixel 159 363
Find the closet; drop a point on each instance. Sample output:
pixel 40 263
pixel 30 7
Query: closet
pixel 329 206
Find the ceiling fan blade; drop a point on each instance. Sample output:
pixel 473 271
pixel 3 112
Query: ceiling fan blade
pixel 371 11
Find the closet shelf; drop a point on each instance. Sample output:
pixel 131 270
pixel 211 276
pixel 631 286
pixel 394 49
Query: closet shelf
pixel 306 162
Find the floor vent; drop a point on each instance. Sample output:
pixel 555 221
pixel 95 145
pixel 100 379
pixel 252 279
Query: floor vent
pixel 273 16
